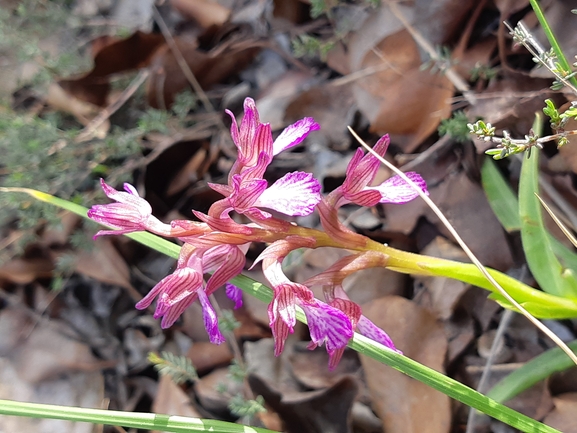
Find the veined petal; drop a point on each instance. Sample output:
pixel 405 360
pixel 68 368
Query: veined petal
pixel 294 134
pixel 294 194
pixel 360 172
pixel 224 224
pixel 327 325
pixel 131 213
pixel 233 129
pixel 367 197
pixel 245 194
pixel 130 197
pixel 172 314
pixel 225 190
pixel 262 144
pixel 362 169
pixel 283 305
pixel 342 268
pixel 232 264
pixel 234 294
pixel 372 331
pixel 175 286
pixel 280 331
pixel 396 190
pixel 210 319
pixel 278 250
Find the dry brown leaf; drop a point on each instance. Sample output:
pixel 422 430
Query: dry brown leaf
pixel 80 389
pixel 206 13
pixel 279 94
pixel 465 205
pixel 167 77
pixel 330 106
pixel 209 397
pixel 438 20
pixel 206 356
pixel 26 270
pixel 112 56
pixel 413 106
pixel 563 416
pixel 61 235
pixel 275 371
pixel 83 111
pixel 404 404
pixel 401 99
pixel 188 174
pixel 105 264
pixel 49 351
pixel 309 367
pixel 170 399
pixel 311 412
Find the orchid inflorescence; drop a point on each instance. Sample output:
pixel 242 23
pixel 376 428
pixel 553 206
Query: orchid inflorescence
pixel 217 244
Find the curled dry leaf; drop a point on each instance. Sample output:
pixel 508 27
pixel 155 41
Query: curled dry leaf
pixel 26 270
pixel 49 350
pixel 563 416
pixel 112 56
pixel 205 356
pixel 105 264
pixel 172 400
pixel 206 13
pixel 82 110
pixel 317 411
pixel 167 77
pixel 400 98
pixel 403 404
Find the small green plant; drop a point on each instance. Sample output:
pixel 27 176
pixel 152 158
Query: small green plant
pixel 483 72
pixel 179 368
pixel 441 63
pixel 309 46
pixel 456 127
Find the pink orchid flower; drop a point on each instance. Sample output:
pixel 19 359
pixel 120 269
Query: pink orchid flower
pixel 295 194
pixel 361 171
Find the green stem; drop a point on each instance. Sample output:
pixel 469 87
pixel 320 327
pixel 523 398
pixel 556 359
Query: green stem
pixel 552 39
pixel 148 421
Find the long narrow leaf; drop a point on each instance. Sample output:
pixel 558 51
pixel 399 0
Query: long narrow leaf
pixel 539 368
pixel 148 421
pixel 544 265
pixel 501 197
pixel 505 205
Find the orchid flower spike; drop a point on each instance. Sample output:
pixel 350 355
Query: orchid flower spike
pixel 361 171
pixel 295 194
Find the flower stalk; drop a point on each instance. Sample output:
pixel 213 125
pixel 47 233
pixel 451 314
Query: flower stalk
pixel 217 244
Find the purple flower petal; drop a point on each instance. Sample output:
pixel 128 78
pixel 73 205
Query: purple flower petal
pixel 231 264
pixel 294 134
pixel 360 172
pixel 372 331
pixel 131 213
pixel 234 294
pixel 172 288
pixel 294 194
pixel 396 190
pixel 210 319
pixel 245 194
pixel 327 325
